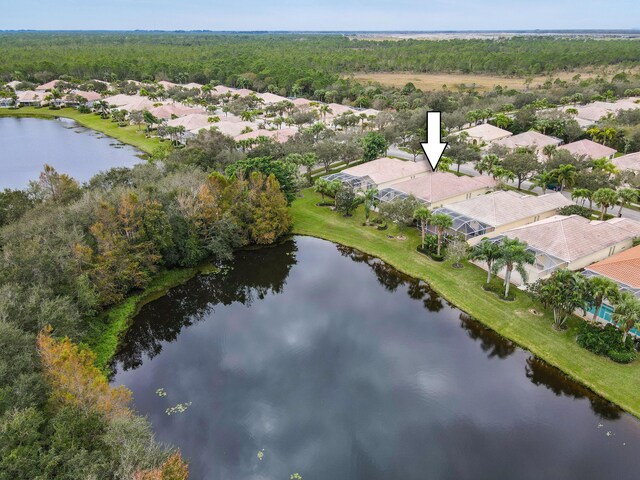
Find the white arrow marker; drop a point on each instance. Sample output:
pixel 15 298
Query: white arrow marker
pixel 434 147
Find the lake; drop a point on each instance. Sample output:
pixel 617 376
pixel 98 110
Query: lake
pixel 29 143
pixel 316 359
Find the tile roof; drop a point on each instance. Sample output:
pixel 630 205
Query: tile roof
pixel 505 207
pixel 177 109
pixel 436 186
pixel 30 96
pixel 300 102
pixel 624 267
pixel 280 136
pixel 384 170
pixel 233 129
pixel 193 121
pixel 628 162
pixel 88 96
pixel 589 149
pixel 528 139
pixel 271 98
pixel 487 132
pixel 574 237
pixel 167 85
pixel 122 99
pixel 48 85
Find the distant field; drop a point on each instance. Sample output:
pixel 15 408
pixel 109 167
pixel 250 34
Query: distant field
pixel 435 81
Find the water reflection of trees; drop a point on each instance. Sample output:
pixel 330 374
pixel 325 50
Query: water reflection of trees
pixel 493 343
pixel 541 373
pixel 162 320
pixel 391 279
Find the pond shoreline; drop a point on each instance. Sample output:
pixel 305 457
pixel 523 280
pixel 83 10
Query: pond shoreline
pixel 513 321
pixel 128 135
pixel 534 333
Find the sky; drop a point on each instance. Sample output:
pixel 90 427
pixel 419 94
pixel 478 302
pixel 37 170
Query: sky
pixel 326 15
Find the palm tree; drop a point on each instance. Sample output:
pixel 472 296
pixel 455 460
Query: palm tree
pixel 502 174
pixel 604 165
pixel 370 200
pixel 549 150
pixel 102 107
pixel 542 180
pixel 486 163
pixel 423 215
pixel 605 197
pixel 583 194
pixel 594 133
pixel 324 110
pixel 513 255
pixel 625 197
pixel 608 134
pixel 502 120
pixel 601 289
pixel 322 186
pixel 565 175
pixel 150 120
pixel 627 313
pixel 488 252
pixel 441 221
pixel 565 291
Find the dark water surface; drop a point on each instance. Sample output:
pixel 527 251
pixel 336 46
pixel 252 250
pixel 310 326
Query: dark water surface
pixel 26 144
pixel 338 368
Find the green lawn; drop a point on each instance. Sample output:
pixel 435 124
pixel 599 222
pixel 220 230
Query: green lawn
pixel 514 320
pixel 130 135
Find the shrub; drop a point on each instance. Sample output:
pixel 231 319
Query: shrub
pixel 607 342
pixel 576 210
pixel 498 289
pixel 621 357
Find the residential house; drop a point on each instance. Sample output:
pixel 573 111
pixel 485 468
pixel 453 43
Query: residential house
pixel 624 269
pixel 485 133
pixel 233 129
pixel 572 242
pixel 531 139
pixel 30 98
pixel 280 136
pixel 437 188
pixel 380 173
pixel 167 85
pixel 192 123
pixel 271 98
pixel 628 162
pixel 589 149
pixel 13 84
pixel 500 211
pixel 223 90
pixel 76 97
pixel 47 86
pixel 172 110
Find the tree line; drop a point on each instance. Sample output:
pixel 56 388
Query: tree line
pixel 69 251
pixel 289 63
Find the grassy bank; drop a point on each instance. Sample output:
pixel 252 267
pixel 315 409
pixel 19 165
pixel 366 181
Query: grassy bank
pixel 106 332
pixel 130 135
pixel 518 320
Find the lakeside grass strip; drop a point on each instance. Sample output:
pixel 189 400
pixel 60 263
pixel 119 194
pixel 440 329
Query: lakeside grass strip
pixel 617 383
pixel 129 134
pixel 107 330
